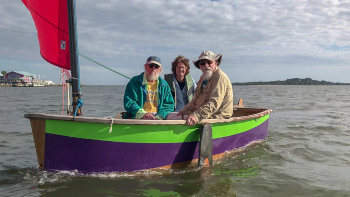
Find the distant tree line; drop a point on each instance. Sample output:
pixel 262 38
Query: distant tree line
pixel 293 81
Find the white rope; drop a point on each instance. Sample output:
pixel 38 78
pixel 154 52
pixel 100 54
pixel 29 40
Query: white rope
pixel 110 129
pixel 68 97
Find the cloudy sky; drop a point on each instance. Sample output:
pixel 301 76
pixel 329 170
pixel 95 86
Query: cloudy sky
pixel 261 40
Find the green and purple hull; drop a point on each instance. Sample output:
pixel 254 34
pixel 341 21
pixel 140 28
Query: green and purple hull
pixel 88 145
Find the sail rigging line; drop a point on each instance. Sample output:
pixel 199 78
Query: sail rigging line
pixel 81 83
pixel 80 104
pixel 64 76
pixel 68 100
pixel 106 67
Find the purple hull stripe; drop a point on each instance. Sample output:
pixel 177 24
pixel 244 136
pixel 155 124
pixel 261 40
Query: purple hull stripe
pixel 67 153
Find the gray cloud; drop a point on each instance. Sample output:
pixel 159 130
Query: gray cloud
pixel 272 37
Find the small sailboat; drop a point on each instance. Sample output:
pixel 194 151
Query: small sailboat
pixel 90 144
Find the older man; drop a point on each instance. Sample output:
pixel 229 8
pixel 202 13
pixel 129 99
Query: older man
pixel 213 98
pixel 147 96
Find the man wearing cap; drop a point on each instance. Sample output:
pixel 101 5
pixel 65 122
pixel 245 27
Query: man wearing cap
pixel 213 98
pixel 147 96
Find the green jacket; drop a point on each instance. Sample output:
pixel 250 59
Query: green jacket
pixel 135 95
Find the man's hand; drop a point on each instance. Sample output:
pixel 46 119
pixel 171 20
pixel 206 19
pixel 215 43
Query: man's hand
pixel 191 120
pixel 148 116
pixel 180 114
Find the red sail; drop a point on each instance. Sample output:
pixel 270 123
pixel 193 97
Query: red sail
pixel 51 21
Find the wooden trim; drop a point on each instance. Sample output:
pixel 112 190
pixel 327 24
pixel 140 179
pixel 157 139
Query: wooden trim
pixel 238 115
pixel 38 130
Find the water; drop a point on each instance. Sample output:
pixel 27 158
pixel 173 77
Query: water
pixel 307 152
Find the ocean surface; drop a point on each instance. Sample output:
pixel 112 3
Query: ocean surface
pixel 307 151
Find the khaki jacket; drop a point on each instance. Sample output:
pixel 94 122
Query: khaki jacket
pixel 215 101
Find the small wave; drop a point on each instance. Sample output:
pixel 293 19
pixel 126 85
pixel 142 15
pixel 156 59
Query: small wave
pixel 312 155
pixel 33 176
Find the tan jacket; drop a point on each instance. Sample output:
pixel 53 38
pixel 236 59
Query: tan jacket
pixel 215 101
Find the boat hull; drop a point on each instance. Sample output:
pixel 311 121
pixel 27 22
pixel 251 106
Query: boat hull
pixel 89 146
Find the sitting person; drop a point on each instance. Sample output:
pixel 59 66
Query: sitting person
pixel 181 83
pixel 213 98
pixel 147 96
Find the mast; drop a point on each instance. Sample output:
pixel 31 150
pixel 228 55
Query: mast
pixel 74 62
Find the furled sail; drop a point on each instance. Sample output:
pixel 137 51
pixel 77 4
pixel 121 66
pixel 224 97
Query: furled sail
pixel 51 21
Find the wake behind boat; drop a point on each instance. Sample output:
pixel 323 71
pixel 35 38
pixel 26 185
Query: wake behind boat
pixel 88 144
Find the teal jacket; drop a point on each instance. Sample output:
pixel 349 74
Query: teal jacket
pixel 135 95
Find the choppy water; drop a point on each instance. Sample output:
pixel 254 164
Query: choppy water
pixel 307 152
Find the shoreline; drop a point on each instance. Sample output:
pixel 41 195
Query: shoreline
pixel 11 86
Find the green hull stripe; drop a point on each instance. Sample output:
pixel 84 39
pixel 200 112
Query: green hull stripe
pixel 146 133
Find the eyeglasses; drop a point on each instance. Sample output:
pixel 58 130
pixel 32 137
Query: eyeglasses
pixel 155 66
pixel 204 62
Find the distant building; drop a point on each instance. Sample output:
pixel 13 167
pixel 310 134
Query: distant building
pixel 18 77
pixel 49 83
pixel 22 78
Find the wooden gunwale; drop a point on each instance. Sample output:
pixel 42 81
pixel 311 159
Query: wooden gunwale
pixel 262 112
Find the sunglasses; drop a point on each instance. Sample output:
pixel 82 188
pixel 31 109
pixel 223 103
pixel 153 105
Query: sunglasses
pixel 155 66
pixel 204 62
